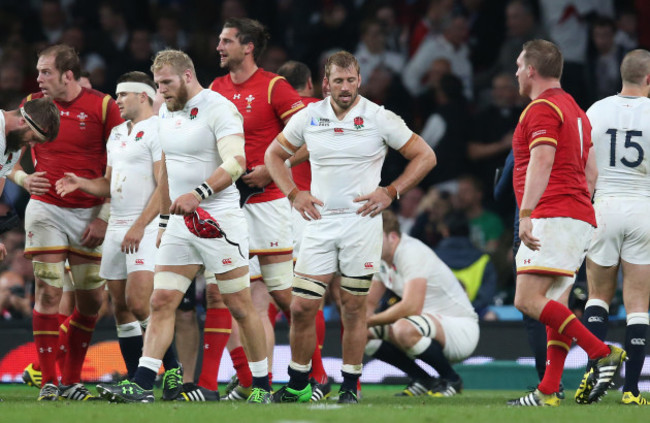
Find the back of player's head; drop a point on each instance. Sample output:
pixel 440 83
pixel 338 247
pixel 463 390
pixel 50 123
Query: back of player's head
pixel 343 60
pixel 296 73
pixel 250 31
pixel 42 116
pixel 635 67
pixel 179 61
pixel 391 224
pixel 65 59
pixel 141 78
pixel 545 57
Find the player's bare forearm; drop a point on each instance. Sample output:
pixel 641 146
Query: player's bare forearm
pixel 163 188
pixel 274 159
pixel 152 208
pixel 421 160
pixel 591 171
pixel 302 155
pixel 537 175
pixel 391 314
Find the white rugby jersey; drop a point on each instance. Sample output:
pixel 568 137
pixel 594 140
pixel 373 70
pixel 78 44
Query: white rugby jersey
pixel 621 137
pixel 7 159
pixel 346 155
pixel 412 260
pixel 189 141
pixel 131 157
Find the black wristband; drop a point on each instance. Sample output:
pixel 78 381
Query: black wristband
pixel 204 190
pixel 163 220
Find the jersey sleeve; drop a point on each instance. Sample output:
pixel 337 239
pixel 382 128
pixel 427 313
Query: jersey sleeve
pixel 393 129
pixel 542 123
pixel 110 115
pixel 153 142
pixel 226 120
pixel 284 99
pixel 292 137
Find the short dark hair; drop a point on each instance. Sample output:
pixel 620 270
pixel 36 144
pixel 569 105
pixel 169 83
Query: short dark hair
pixel 137 76
pixel 296 73
pixel 635 66
pixel 342 59
pixel 456 223
pixel 391 224
pixel 545 57
pixel 65 59
pixel 44 113
pixel 250 31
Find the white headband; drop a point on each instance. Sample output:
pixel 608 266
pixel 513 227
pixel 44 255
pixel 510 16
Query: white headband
pixel 135 87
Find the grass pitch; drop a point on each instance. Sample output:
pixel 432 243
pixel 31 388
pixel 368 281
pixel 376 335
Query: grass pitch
pixel 378 405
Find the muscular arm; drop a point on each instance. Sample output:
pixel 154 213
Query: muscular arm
pixel 132 238
pixel 377 290
pixel 163 187
pixel 302 155
pixel 410 305
pixel 591 171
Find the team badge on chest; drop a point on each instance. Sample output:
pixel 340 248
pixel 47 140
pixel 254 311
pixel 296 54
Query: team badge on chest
pixel 139 135
pixel 193 113
pixel 249 100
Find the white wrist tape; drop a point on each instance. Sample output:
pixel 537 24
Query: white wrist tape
pixel 229 148
pixel 105 212
pixel 19 177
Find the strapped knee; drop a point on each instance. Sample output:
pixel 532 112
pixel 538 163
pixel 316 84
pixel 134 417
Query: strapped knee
pixel 359 285
pixel 423 324
pixel 171 281
pixel 231 286
pixel 277 276
pixel 50 273
pixel 380 332
pixel 86 276
pixel 308 288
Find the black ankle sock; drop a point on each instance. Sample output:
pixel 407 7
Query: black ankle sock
pixel 262 382
pixel 435 358
pixel 392 355
pixel 169 359
pixel 298 380
pixel 131 349
pixel 349 382
pixel 635 337
pixel 144 378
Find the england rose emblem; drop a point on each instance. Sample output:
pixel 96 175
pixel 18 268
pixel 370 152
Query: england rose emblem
pixel 139 135
pixel 358 122
pixel 193 113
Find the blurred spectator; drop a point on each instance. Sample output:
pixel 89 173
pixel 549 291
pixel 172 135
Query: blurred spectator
pixel 84 80
pixel 473 268
pixel 114 35
pixel 52 24
pixel 407 209
pixel 447 131
pixel 431 210
pixel 372 51
pixel 451 45
pixel 22 266
pixel 14 298
pixel 430 24
pixel 272 58
pixel 566 23
pixel 626 29
pixel 169 33
pixel 486 30
pixel 521 26
pixel 11 84
pixel 492 135
pixel 396 35
pixel 92 62
pixel 137 58
pixel 485 227
pixel 604 59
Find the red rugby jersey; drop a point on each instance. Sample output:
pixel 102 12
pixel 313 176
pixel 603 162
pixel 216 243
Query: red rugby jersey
pixel 80 147
pixel 264 100
pixel 302 173
pixel 555 119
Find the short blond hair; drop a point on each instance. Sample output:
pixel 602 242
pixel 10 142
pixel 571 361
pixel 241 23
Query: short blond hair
pixel 176 59
pixel 343 60
pixel 635 67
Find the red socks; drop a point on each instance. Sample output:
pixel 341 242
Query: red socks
pixel 218 326
pixel 560 318
pixel 240 363
pixel 557 348
pixel 46 339
pixel 80 332
pixel 317 369
pixel 64 328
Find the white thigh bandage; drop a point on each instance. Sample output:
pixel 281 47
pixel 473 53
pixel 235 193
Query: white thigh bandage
pixel 171 281
pixel 372 346
pixel 278 276
pixel 380 332
pixel 209 278
pixel 423 324
pixel 559 287
pixel 86 276
pixel 50 273
pixel 68 285
pixel 129 330
pixel 308 288
pixel 231 286
pixel 230 147
pixel 355 286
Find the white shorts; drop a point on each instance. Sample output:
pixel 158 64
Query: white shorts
pixel 461 336
pixel 116 265
pixel 52 229
pixel 180 247
pixel 269 227
pixel 348 244
pixel 254 269
pixel 564 242
pixel 298 226
pixel 623 231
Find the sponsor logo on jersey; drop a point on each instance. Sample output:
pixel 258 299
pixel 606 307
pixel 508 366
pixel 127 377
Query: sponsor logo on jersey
pixel 297 104
pixel 319 122
pixel 139 135
pixel 82 120
pixel 538 133
pixel 193 113
pixel 637 341
pixel 595 319
pixel 358 122
pixel 65 113
pixel 369 265
pixel 139 261
pixel 274 243
pixel 236 96
pixel 526 261
pixel 226 261
pixel 338 131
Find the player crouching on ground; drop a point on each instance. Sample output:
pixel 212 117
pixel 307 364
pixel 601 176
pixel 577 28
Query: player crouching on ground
pixel 434 321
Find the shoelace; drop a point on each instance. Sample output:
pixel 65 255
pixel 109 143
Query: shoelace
pixel 170 378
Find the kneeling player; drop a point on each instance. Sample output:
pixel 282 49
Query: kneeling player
pixel 434 321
